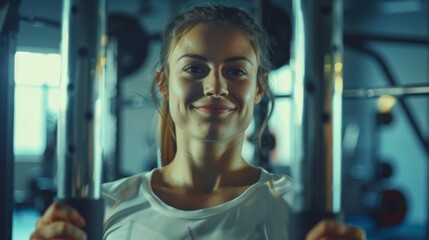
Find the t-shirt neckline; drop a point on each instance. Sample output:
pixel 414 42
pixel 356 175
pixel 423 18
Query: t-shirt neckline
pixel 171 211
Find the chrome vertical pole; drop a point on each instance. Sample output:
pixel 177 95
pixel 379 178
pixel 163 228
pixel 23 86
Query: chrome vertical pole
pixel 83 46
pixel 9 26
pixel 317 101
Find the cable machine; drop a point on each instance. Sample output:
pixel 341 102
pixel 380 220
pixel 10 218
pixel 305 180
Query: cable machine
pixel 83 52
pixel 317 64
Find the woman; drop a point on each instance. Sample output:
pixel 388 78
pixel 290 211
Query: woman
pixel 213 70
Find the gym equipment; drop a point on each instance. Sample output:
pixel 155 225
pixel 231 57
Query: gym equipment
pixel 317 101
pixel 8 29
pixel 83 52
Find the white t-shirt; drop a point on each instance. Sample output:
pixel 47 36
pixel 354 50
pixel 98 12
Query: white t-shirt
pixel 134 212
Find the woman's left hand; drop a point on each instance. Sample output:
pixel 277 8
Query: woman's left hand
pixel 331 229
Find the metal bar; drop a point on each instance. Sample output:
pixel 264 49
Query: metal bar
pixel 402 91
pixel 317 101
pixel 9 26
pixel 83 51
pixel 283 96
pixel 364 37
pixel 392 91
pixel 118 125
pixel 81 83
pixel 7 89
pixel 427 144
pixel 40 21
pixel 4 8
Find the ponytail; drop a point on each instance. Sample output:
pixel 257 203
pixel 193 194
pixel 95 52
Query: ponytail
pixel 168 144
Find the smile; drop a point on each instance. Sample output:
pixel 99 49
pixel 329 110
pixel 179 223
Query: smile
pixel 214 108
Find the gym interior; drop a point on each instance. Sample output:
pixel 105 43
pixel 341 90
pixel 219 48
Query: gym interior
pixel 382 119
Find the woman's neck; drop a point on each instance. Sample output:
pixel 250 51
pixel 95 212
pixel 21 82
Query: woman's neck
pixel 207 166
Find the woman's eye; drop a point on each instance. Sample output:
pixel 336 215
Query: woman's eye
pixel 236 72
pixel 194 69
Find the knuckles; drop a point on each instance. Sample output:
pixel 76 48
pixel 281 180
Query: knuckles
pixel 62 228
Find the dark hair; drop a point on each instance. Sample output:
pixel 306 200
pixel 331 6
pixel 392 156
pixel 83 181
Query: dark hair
pixel 179 26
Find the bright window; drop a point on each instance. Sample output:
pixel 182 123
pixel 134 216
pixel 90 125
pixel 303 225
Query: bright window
pixel 280 124
pixel 37 77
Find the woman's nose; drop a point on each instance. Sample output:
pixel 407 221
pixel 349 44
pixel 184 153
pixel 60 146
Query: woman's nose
pixel 215 86
pixel 217 93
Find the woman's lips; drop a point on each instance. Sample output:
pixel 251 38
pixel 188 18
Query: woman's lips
pixel 214 108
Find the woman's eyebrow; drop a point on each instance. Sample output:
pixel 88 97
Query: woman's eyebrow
pixel 238 58
pixel 204 59
pixel 194 56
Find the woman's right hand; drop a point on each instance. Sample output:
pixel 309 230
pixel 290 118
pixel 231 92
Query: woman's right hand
pixel 60 221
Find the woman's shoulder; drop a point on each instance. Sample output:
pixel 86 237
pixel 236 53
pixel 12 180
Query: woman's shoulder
pixel 282 183
pixel 123 195
pixel 128 189
pixel 279 184
pixel 117 188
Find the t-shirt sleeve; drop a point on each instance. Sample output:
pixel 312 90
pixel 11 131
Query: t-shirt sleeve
pixel 283 186
pixel 114 193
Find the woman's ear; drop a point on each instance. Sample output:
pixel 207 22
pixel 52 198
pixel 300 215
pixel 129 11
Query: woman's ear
pixel 162 83
pixel 260 88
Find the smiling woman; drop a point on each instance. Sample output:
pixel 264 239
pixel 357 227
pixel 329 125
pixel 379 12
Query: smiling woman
pixel 213 85
pixel 212 24
pixel 213 71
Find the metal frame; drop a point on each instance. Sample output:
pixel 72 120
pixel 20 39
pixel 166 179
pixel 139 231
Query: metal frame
pixel 317 102
pixel 7 161
pixel 9 25
pixel 83 52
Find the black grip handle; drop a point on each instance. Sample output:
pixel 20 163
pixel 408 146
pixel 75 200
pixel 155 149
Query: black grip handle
pixel 92 210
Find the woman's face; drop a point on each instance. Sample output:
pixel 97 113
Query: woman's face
pixel 212 83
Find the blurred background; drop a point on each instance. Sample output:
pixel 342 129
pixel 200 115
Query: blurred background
pixel 385 139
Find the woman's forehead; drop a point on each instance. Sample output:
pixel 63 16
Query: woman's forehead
pixel 215 42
